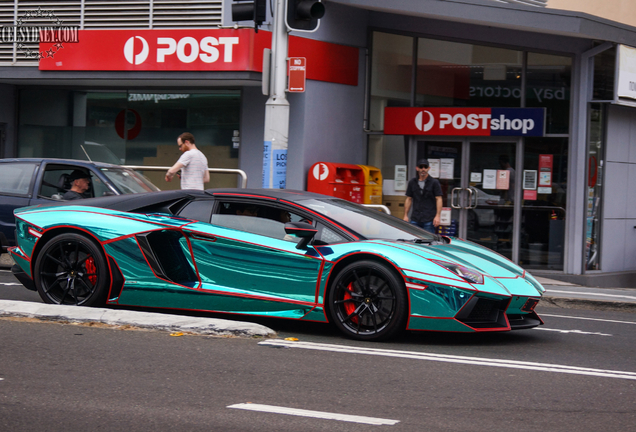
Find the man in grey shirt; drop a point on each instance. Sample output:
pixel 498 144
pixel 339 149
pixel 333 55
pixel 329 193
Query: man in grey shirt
pixel 192 163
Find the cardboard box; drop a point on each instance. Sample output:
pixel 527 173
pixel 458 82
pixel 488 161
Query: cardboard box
pixel 395 203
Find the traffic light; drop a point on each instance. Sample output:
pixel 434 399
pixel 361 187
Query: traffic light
pixel 250 11
pixel 304 15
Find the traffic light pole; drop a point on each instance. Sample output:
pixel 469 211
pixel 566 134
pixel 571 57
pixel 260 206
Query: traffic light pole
pixel 277 107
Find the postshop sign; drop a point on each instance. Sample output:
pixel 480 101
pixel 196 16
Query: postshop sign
pixel 465 121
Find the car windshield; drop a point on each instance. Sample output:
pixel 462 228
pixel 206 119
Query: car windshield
pixel 368 222
pixel 128 181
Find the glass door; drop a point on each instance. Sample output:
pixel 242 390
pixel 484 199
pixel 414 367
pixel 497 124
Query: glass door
pixel 445 159
pixel 479 187
pixel 490 214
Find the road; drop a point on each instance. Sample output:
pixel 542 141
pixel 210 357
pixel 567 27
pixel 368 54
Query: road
pixel 578 372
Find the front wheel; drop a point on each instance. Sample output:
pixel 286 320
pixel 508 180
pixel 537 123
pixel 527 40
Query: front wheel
pixel 71 270
pixel 367 301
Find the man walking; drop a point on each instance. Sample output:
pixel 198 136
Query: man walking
pixel 424 194
pixel 192 163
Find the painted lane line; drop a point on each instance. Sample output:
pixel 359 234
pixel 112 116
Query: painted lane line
pixel 314 414
pixel 478 361
pixel 573 331
pixel 10 283
pixel 589 319
pixel 591 294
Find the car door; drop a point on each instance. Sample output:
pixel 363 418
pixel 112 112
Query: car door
pixel 16 186
pixel 250 264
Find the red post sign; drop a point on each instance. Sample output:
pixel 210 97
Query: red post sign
pixel 297 74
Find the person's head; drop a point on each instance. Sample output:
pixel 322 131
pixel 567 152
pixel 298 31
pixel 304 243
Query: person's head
pixel 422 167
pixel 248 210
pixel 185 141
pixel 80 181
pixel 284 216
pixel 504 161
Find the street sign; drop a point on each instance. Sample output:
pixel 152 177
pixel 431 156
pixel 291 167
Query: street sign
pixel 297 74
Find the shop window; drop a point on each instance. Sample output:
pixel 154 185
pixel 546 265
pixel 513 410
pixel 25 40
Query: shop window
pixel 543 214
pixel 391 75
pixel 594 189
pixel 459 74
pixel 548 85
pixel 132 128
pixel 604 71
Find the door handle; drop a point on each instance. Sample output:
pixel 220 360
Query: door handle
pixel 472 203
pixel 453 196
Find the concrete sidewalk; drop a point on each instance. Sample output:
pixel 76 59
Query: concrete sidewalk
pixel 569 295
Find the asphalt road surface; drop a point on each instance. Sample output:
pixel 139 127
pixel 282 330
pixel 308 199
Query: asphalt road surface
pixel 578 372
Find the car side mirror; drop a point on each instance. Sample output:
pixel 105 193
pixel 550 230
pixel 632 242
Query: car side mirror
pixel 303 230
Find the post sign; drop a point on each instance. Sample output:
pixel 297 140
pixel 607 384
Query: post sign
pixel 297 74
pixel 465 121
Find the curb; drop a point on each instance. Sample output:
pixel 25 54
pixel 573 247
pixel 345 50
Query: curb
pixel 574 303
pixel 148 320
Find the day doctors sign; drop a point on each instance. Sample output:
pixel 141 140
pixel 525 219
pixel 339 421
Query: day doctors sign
pixel 465 121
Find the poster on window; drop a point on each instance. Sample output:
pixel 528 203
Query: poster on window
pixel 445 216
pixel 529 179
pixel 490 179
pixel 434 171
pixel 545 169
pixel 447 169
pixel 503 179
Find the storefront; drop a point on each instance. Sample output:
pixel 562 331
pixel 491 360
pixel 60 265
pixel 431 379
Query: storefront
pixel 562 206
pixel 499 146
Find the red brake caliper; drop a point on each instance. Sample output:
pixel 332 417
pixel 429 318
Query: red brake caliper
pixel 349 306
pixel 91 269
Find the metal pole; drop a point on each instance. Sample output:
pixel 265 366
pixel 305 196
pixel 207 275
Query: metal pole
pixel 277 108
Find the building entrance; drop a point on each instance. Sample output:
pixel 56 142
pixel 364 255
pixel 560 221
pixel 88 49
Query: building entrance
pixel 480 188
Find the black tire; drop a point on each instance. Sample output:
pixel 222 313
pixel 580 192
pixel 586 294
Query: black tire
pixel 367 301
pixel 71 269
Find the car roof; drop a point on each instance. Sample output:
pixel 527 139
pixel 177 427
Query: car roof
pixel 163 201
pixel 84 163
pixel 279 194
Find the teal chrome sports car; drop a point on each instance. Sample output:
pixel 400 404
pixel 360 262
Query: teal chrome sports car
pixel 276 253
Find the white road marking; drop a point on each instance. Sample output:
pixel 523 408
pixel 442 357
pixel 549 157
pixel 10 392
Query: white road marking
pixel 572 331
pixel 513 364
pixel 10 283
pixel 591 294
pixel 314 414
pixel 589 319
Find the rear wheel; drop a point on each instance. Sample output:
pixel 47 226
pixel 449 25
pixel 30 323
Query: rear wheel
pixel 367 301
pixel 71 270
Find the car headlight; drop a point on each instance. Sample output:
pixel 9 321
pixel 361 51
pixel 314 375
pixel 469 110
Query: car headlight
pixel 470 275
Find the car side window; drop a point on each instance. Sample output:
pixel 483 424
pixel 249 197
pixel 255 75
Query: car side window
pixel 258 219
pixel 326 235
pixel 55 181
pixel 15 178
pixel 198 210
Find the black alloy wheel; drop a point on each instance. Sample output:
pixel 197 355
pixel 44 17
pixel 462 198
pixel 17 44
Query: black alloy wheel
pixel 71 270
pixel 367 301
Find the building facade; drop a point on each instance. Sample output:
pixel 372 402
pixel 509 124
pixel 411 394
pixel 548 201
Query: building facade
pixel 544 177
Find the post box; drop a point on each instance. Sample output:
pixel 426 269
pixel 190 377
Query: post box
pixel 339 180
pixel 372 186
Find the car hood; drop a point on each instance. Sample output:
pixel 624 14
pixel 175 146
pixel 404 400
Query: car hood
pixel 468 254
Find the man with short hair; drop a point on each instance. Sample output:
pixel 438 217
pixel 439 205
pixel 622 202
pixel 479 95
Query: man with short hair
pixel 424 194
pixel 80 182
pixel 192 163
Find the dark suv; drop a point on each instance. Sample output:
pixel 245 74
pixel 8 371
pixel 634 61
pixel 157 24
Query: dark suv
pixel 25 182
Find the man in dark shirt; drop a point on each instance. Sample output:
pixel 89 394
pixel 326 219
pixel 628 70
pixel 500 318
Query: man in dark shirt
pixel 424 194
pixel 80 182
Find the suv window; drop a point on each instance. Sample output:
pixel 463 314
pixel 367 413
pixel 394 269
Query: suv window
pixel 15 178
